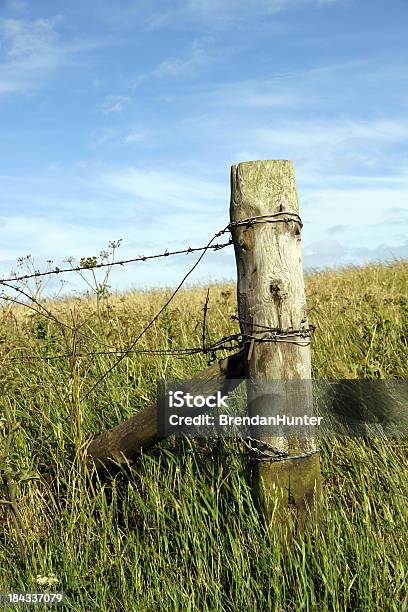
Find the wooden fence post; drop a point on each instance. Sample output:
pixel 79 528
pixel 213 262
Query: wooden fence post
pixel 271 297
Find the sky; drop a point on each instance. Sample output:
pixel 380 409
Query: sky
pixel 120 120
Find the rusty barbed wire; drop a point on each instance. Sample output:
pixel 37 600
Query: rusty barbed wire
pixel 270 334
pixel 278 217
pixel 228 343
pixel 157 315
pixel 218 346
pixel 56 270
pixel 287 216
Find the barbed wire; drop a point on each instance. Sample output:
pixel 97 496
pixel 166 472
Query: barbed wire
pixel 258 451
pixel 157 315
pixel 261 451
pixel 271 218
pixel 278 217
pixel 56 270
pixel 218 346
pixel 269 334
pixel 45 312
pixel 228 343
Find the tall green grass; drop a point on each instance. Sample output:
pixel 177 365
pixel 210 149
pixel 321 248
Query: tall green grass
pixel 179 530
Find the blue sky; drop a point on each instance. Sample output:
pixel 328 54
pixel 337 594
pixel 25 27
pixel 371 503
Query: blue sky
pixel 122 119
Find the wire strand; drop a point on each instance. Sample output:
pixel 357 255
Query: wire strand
pixel 215 247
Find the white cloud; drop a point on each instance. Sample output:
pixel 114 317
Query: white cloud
pixel 202 54
pixel 164 188
pixel 265 94
pixel 152 210
pixel 223 7
pixel 325 152
pixel 103 136
pixel 114 104
pixel 46 237
pixel 213 14
pixel 310 135
pixel 363 214
pixel 134 136
pixel 327 253
pixel 30 40
pixel 319 88
pixel 116 137
pixel 32 50
pixel 156 209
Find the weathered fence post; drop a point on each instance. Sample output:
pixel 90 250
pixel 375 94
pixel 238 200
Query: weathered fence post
pixel 273 319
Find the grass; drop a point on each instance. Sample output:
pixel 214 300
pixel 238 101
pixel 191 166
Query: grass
pixel 179 531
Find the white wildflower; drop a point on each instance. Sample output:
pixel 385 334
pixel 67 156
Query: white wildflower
pixel 47 581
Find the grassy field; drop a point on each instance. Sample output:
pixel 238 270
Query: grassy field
pixel 180 532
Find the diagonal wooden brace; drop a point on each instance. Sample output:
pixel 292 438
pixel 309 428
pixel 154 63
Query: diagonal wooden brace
pixel 124 442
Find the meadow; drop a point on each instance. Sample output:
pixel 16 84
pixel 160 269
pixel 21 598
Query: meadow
pixel 179 530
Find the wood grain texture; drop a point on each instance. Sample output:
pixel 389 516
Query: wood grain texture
pixel 271 293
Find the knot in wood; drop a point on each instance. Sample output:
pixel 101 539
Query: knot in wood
pixel 278 289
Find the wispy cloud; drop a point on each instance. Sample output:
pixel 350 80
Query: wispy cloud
pixel 134 136
pixel 330 152
pixel 103 136
pixel 31 41
pixel 359 216
pixel 114 104
pixel 117 137
pixel 221 81
pixel 32 49
pixel 213 14
pixel 337 229
pixel 224 13
pixel 305 134
pixel 261 94
pixel 310 87
pixel 203 53
pixel 29 48
pixel 331 253
pixel 152 210
pixel 164 188
pixel 234 9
